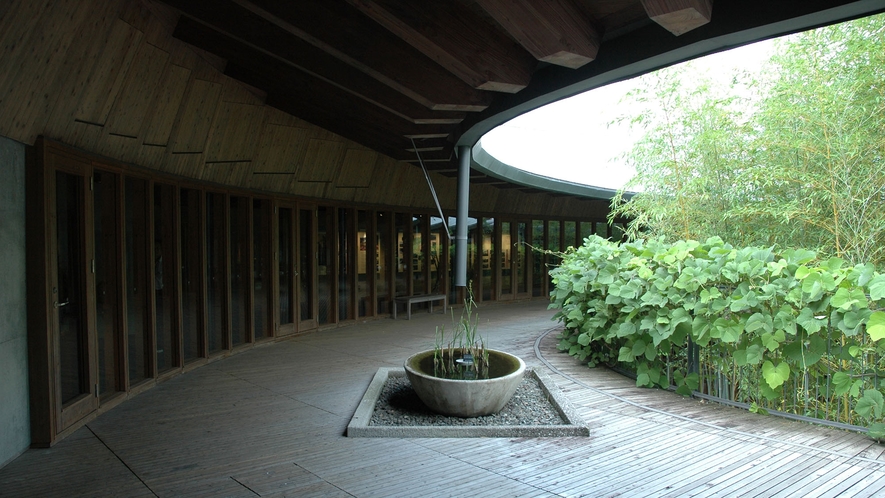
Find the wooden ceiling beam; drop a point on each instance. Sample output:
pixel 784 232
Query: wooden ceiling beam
pixel 555 31
pixel 679 16
pixel 458 39
pixel 342 31
pixel 242 53
pixel 349 45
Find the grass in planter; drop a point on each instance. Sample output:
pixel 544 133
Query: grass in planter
pixel 464 357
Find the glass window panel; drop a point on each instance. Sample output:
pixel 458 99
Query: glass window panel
pixel 538 269
pixel 403 254
pixel 165 300
pixel 107 290
pixel 364 269
pixel 261 268
pixel 137 287
pixel 437 251
pixel 240 269
pixel 216 270
pixel 305 264
pixel 345 256
pixel 488 257
pixel 553 243
pixel 191 273
pixel 419 278
pixel 325 266
pixel 570 232
pixel 473 258
pixel 586 231
pixel 447 250
pixel 382 262
pixel 601 229
pixel 520 258
pixel 506 258
pixel 285 255
pixel 69 292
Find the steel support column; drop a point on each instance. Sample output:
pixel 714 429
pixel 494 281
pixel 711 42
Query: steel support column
pixel 461 227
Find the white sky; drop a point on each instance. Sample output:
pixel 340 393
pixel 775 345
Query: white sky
pixel 571 139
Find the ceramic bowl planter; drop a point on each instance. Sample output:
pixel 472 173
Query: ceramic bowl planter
pixel 466 397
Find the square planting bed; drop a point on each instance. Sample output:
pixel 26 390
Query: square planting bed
pixel 571 424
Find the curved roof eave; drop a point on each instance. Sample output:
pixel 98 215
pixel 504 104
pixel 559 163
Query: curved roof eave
pixel 488 164
pixel 484 162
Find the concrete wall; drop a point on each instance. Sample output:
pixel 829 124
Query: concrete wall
pixel 15 432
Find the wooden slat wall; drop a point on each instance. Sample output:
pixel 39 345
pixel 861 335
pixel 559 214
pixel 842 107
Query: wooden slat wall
pixel 106 76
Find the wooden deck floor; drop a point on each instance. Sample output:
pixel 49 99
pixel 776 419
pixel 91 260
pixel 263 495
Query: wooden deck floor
pixel 270 422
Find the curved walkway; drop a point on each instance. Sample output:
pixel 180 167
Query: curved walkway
pixel 270 422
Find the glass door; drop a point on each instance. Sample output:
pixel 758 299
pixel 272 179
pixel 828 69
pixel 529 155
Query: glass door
pixel 262 291
pixel 285 262
pixel 506 263
pixel 192 292
pixel 239 271
pixel 216 273
pixel 166 310
pixel 515 275
pixel 106 223
pixel 306 269
pixel 520 259
pixel 75 335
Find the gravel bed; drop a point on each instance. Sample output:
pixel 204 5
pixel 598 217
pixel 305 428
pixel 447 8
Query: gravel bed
pixel 398 405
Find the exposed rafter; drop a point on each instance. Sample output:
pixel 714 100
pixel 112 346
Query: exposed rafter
pixel 679 16
pixel 555 31
pixel 452 35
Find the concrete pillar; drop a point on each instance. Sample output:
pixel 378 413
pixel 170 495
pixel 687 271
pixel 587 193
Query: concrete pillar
pixel 15 428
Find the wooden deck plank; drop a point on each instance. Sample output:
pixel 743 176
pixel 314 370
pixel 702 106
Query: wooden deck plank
pixel 269 421
pixel 842 485
pixel 761 479
pixel 841 472
pixel 871 485
pixel 700 468
pixel 659 474
pixel 789 476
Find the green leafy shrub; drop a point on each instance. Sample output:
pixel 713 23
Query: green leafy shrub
pixel 776 330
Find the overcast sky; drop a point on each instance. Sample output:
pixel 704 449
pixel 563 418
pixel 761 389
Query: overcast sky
pixel 571 139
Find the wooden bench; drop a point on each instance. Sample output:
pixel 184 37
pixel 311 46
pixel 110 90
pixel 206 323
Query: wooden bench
pixel 420 298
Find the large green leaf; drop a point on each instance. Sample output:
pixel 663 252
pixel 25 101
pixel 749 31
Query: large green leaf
pixel 877 288
pixel 639 348
pixel 846 299
pixel 727 331
pixel 772 341
pixel 758 321
pixel 876 325
pixel 700 329
pixel 806 351
pixel 841 383
pixel 809 321
pixel 626 329
pixel 775 375
pixel 871 404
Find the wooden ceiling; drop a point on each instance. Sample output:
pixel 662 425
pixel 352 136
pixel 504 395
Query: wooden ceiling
pixel 390 73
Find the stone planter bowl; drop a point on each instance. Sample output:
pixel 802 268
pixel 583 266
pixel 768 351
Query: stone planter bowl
pixel 466 398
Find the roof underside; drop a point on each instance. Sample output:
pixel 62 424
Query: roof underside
pixel 400 75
